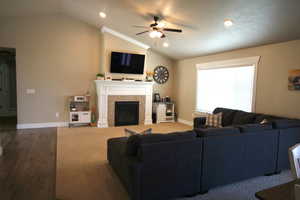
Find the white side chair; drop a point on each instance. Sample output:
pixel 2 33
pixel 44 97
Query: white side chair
pixel 294 156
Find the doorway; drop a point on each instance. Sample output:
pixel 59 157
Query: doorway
pixel 8 90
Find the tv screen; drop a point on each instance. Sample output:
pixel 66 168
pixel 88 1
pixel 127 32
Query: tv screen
pixel 127 63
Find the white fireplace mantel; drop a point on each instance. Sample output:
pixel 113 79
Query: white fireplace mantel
pixel 107 88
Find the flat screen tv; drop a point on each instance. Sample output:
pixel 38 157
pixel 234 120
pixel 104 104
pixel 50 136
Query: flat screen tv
pixel 127 63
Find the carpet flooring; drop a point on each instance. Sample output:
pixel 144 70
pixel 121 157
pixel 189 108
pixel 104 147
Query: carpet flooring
pixel 83 171
pixel 244 190
pixel 82 168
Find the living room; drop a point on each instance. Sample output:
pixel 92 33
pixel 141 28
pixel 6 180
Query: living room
pixel 198 58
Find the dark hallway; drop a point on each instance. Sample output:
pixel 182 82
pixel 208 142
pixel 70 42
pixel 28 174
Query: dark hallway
pixel 8 96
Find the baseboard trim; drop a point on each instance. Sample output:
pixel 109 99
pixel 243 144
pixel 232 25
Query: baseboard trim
pixel 186 122
pixel 42 125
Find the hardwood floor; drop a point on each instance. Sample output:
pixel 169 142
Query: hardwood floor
pixel 28 166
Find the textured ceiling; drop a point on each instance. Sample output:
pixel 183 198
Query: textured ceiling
pixel 256 22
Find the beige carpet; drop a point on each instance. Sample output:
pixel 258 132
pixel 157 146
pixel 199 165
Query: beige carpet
pixel 82 169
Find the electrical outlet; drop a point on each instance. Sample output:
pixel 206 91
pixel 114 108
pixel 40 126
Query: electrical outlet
pixel 57 114
pixel 30 91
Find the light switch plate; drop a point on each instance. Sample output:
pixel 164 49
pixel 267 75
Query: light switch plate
pixel 30 91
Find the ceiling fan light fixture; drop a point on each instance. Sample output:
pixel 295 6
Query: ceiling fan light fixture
pixel 155 34
pixel 161 25
pixel 102 14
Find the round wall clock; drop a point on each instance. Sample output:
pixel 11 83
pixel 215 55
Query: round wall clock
pixel 161 75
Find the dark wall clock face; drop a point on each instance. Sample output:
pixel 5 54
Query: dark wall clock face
pixel 161 75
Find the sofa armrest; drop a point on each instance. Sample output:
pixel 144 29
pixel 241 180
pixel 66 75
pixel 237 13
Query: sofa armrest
pixel 199 122
pixel 166 166
pixel 116 147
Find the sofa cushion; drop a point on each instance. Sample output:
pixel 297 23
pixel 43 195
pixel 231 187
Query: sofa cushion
pixel 227 115
pixel 242 117
pixel 261 117
pixel 184 135
pixel 246 128
pixel 286 123
pixel 134 141
pixel 206 132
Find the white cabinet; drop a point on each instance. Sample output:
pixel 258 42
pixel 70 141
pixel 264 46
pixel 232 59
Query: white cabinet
pixel 164 111
pixel 80 117
pixel 80 112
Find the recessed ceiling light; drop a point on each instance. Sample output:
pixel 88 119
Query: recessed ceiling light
pixel 165 44
pixel 102 14
pixel 228 23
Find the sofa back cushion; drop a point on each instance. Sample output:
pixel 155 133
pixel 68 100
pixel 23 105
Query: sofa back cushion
pixel 135 141
pixel 286 123
pixel 242 117
pixel 206 132
pixel 261 117
pixel 227 115
pixel 246 128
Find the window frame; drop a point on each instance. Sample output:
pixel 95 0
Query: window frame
pixel 248 61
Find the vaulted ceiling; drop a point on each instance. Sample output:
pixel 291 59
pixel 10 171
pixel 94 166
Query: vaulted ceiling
pixel 256 22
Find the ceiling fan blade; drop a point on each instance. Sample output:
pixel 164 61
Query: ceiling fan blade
pixel 172 30
pixel 142 32
pixel 140 26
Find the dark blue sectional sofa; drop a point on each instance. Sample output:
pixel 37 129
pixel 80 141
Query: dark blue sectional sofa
pixel 168 166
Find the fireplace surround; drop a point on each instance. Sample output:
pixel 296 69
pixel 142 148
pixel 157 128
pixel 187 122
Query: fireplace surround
pixel 110 91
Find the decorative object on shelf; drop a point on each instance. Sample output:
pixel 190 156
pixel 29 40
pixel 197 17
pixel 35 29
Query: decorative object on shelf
pixel 161 75
pixel 156 97
pixel 294 80
pixel 100 76
pixel 167 99
pixel 94 117
pixel 149 76
pixel 108 76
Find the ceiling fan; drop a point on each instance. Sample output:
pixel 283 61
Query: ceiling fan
pixel 156 29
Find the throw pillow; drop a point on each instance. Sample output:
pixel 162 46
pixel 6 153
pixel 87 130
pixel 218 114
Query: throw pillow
pixel 214 120
pixel 130 132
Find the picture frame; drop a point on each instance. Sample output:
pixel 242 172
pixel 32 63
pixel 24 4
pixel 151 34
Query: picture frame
pixel 294 80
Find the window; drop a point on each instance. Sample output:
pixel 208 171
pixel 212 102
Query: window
pixel 228 84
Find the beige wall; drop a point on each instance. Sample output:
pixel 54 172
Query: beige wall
pixel 152 60
pixel 59 56
pixel 272 96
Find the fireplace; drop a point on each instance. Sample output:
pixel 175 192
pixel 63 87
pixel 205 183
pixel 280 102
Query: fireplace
pixel 109 92
pixel 126 113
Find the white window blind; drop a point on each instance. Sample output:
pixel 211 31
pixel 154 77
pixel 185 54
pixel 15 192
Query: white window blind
pixel 228 87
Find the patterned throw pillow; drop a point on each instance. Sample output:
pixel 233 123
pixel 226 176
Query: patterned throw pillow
pixel 130 132
pixel 214 120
